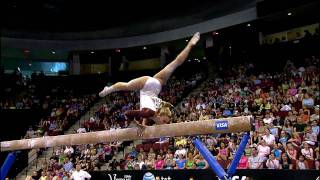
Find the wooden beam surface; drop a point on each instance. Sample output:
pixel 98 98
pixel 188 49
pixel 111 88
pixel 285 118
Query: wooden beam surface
pixel 213 126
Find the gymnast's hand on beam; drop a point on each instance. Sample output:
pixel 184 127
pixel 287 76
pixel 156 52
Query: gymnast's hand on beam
pixel 141 127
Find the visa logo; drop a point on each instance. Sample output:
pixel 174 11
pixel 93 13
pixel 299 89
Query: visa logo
pixel 222 125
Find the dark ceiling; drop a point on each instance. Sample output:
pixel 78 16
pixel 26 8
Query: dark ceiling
pixel 71 15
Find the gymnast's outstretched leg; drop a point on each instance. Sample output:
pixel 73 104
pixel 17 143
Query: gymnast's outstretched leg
pixel 167 71
pixel 135 84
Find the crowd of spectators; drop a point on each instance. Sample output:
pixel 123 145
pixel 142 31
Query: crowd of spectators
pixel 285 106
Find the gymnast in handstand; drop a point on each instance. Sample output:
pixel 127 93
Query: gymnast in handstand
pixel 151 107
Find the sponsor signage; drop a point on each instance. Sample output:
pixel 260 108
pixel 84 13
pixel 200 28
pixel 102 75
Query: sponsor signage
pixel 222 125
pixel 203 174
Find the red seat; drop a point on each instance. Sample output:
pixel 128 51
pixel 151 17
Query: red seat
pixel 156 147
pixel 293 163
pixel 224 163
pixel 311 164
pixel 138 147
pixel 147 147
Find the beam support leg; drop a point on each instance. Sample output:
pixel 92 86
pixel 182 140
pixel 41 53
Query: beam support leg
pixel 7 165
pixel 232 168
pixel 207 155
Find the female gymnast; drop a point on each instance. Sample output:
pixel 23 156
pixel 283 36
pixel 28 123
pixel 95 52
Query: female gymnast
pixel 151 107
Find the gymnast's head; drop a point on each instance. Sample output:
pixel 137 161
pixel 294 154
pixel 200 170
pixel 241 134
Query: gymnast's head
pixel 165 113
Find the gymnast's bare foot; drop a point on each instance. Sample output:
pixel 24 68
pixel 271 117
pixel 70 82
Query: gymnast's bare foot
pixel 105 91
pixel 195 38
pixel 141 129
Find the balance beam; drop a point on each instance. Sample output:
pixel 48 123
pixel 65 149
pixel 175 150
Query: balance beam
pixel 214 126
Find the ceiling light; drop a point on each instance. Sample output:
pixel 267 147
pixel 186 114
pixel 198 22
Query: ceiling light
pixel 215 33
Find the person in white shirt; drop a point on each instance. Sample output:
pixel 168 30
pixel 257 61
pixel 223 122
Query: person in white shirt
pixel 150 88
pixel 268 119
pixel 272 162
pixel 181 150
pixel 82 130
pixel 255 161
pixel 79 174
pixel 269 138
pixel 69 150
pixel 263 149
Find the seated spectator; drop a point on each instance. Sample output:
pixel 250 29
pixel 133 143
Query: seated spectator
pixel 317 159
pixel 315 115
pixel 140 162
pixel 243 163
pixel 255 161
pixel 68 165
pixel 169 162
pixel 272 162
pixel 283 138
pixel 263 149
pixel 149 162
pixel 268 119
pixel 295 140
pixel 30 133
pixel 285 162
pixel 302 119
pixel 307 101
pixel 315 128
pixel 291 117
pixel 276 151
pixel 268 138
pixel 142 154
pixel 190 164
pixel 69 150
pixel 133 153
pixel 302 163
pixel 159 163
pixel 274 130
pixel 254 138
pixel 181 150
pixel 201 163
pixel 307 152
pixel 291 152
pixel 180 162
pixel 223 152
pixel 151 153
pixel 80 174
pixel 130 164
pixel 309 136
pixel 262 128
pixel 288 127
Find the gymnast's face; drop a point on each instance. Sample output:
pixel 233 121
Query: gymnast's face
pixel 164 119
